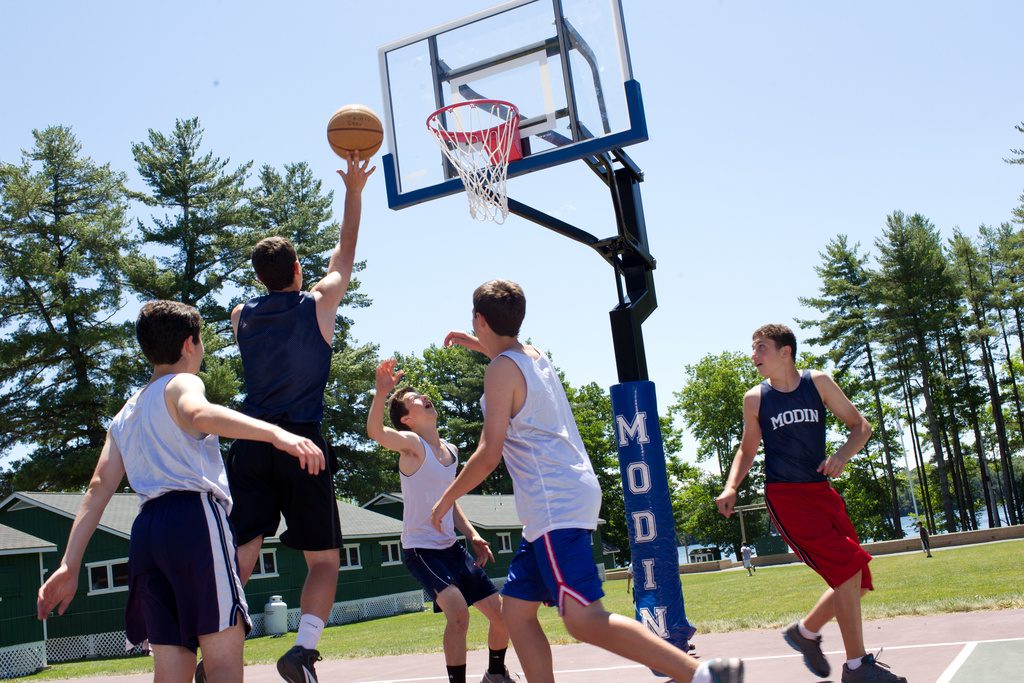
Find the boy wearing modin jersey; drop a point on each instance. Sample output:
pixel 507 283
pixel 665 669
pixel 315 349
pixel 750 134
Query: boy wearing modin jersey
pixel 528 422
pixel 427 465
pixel 787 413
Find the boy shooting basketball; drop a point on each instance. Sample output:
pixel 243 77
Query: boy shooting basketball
pixel 184 589
pixel 528 422
pixel 787 413
pixel 285 341
pixel 427 465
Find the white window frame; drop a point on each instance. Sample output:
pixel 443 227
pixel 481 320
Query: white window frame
pixel 384 553
pixel 505 542
pixel 257 572
pixel 345 557
pixel 109 564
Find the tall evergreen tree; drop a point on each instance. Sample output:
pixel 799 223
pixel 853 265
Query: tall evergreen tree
pixel 913 284
pixel 204 236
pixel 64 229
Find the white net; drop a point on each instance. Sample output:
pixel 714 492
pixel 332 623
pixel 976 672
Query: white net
pixel 479 138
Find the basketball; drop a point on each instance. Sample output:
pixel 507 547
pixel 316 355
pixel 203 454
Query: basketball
pixel 355 128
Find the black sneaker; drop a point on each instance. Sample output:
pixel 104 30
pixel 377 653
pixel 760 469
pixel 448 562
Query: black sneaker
pixel 200 672
pixel 296 665
pixel 810 648
pixel 726 670
pixel 871 671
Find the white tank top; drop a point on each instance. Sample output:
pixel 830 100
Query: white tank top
pixel 159 456
pixel 420 491
pixel 554 483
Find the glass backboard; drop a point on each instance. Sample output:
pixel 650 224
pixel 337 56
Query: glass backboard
pixel 563 63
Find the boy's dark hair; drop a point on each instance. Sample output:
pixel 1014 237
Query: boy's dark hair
pixel 274 259
pixel 780 334
pixel 163 326
pixel 502 304
pixel 397 409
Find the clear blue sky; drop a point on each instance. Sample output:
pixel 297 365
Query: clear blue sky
pixel 774 126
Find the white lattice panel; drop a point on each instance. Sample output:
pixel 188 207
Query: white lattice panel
pixel 22 660
pixel 111 644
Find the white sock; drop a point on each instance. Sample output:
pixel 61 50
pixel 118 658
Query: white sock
pixel 310 628
pixel 805 632
pixel 702 675
pixel 854 664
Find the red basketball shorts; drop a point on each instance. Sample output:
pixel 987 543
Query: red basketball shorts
pixel 813 521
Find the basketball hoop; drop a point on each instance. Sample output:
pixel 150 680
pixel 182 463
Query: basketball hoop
pixel 479 138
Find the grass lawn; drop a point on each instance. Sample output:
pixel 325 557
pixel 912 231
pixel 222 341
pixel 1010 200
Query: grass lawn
pixel 962 579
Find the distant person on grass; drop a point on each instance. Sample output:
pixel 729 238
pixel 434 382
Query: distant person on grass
pixel 745 552
pixel 529 423
pixel 184 589
pixel 427 465
pixel 787 413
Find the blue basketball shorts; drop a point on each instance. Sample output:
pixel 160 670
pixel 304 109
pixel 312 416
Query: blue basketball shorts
pixel 557 565
pixel 182 572
pixel 452 566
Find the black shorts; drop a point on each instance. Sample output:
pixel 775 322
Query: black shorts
pixel 453 566
pixel 267 483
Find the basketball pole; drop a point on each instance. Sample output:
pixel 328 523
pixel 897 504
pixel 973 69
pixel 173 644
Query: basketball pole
pixel 652 537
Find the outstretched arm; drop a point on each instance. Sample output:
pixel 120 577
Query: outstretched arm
pixel 331 289
pixel 481 548
pixel 186 401
pixel 499 381
pixel 60 588
pixel 455 337
pixel 744 458
pixel 860 429
pixel 392 439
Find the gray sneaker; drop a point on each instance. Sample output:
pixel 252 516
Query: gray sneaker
pixel 810 648
pixel 499 678
pixel 296 665
pixel 726 670
pixel 871 671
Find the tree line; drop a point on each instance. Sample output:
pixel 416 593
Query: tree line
pixel 929 336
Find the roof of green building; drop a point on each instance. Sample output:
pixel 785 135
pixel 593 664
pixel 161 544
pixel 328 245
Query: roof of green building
pixel 14 542
pixel 120 513
pixel 491 511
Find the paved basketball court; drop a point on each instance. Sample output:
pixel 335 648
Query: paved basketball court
pixel 971 647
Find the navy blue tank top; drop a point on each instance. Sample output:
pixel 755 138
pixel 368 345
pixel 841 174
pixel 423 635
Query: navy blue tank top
pixel 285 359
pixel 793 432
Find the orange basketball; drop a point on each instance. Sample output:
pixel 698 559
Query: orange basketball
pixel 355 128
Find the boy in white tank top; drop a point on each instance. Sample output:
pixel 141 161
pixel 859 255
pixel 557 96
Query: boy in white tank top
pixel 427 465
pixel 528 422
pixel 181 542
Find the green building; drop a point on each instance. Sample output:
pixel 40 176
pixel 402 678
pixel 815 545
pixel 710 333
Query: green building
pixel 22 636
pixel 372 581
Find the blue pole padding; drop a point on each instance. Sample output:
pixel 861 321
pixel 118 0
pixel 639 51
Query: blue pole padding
pixel 657 590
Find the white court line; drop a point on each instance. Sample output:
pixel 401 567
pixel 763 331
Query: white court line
pixel 951 670
pixel 968 646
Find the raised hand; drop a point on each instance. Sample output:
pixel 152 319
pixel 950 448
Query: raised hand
pixel 459 338
pixel 309 455
pixel 356 174
pixel 387 378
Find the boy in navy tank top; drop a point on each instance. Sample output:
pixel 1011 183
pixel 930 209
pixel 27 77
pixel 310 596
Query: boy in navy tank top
pixel 427 465
pixel 528 422
pixel 184 590
pixel 285 339
pixel 787 413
